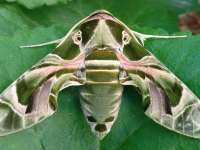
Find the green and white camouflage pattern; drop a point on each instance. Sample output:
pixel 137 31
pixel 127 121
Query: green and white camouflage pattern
pixel 101 55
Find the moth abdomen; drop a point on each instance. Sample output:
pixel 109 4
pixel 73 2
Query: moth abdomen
pixel 101 102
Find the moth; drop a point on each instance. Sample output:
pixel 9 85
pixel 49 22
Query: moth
pixel 101 55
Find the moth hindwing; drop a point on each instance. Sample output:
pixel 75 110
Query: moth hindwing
pixel 101 55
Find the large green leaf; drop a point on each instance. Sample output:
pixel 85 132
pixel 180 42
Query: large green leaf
pixel 67 129
pixel 36 3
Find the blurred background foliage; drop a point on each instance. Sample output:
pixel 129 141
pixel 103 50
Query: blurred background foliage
pixel 25 22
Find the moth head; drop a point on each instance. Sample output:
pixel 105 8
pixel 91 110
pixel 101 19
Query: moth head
pixel 100 31
pixel 107 32
pixel 99 126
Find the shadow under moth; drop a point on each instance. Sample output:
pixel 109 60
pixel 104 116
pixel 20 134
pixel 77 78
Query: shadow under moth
pixel 101 55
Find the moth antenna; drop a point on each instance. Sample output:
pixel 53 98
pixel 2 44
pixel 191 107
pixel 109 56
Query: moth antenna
pixel 144 37
pixel 43 44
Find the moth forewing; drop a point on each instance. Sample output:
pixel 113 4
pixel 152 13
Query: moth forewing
pixel 170 102
pixel 33 96
pixel 101 55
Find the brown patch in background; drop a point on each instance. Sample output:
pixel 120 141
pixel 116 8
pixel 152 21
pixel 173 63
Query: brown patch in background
pixel 190 22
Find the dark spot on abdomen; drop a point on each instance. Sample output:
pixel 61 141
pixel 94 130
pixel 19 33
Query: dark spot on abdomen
pixel 100 127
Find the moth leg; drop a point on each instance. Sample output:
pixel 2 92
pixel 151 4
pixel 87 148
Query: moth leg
pixel 43 44
pixel 144 37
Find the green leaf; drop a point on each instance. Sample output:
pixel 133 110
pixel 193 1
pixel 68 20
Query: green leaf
pixel 67 129
pixel 37 3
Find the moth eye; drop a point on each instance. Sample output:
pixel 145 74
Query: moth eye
pixel 91 119
pixel 125 37
pixel 109 119
pixel 77 37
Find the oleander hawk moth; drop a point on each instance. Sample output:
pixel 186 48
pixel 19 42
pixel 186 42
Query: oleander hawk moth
pixel 101 55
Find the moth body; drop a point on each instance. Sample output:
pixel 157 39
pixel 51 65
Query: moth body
pixel 101 95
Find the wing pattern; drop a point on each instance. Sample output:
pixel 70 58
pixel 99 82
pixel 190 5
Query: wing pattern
pixel 167 100
pixel 33 96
